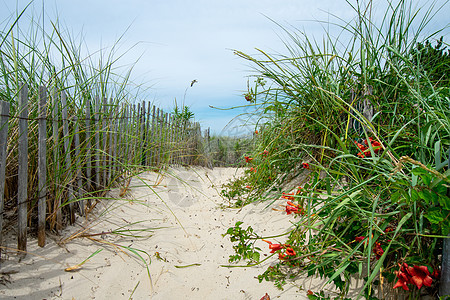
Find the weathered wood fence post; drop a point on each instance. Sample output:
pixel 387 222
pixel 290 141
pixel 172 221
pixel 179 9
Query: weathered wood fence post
pixel 105 130
pixel 4 117
pixel 112 131
pixel 42 165
pixel 81 203
pixel 152 139
pixel 97 143
pixel 56 189
pixel 157 140
pixel 22 193
pixel 147 136
pixel 125 139
pixel 89 184
pixel 171 139
pixel 68 159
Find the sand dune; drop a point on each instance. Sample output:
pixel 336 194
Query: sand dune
pixel 183 253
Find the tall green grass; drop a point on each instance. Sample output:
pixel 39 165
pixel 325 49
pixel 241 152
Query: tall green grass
pixel 324 97
pixel 101 107
pixel 36 57
pixel 101 102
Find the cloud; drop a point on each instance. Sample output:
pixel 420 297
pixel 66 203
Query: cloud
pixel 177 41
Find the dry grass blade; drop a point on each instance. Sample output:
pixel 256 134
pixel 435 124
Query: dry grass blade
pixel 78 266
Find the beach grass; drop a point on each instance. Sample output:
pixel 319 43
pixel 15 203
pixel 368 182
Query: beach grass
pixel 362 117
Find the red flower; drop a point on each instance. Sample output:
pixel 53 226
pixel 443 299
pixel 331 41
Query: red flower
pixel 290 209
pixel 417 275
pixel 274 247
pixel 294 208
pixel 420 276
pixel 289 196
pixel 376 145
pixel 248 159
pixel 378 250
pixel 265 153
pixel 401 283
pixel 252 169
pixel 359 238
pixel 248 97
pixel 290 251
pixel 256 132
pixel 365 151
pixel 248 187
pixel 305 165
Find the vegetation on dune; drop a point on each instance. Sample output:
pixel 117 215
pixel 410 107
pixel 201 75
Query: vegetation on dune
pixel 33 56
pixel 227 151
pixel 364 129
pixel 99 106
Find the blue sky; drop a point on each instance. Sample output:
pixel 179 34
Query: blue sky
pixel 179 41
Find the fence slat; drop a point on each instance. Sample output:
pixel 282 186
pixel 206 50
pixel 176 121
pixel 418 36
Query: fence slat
pixel 57 200
pixel 160 128
pixel 97 143
pixel 116 142
pixel 125 138
pixel 137 132
pixel 143 136
pixel 4 116
pixel 42 165
pixel 88 150
pixel 88 146
pixel 68 159
pixel 22 193
pixel 105 130
pixel 165 139
pixel 81 203
pixel 152 138
pixel 147 136
pixel 112 129
pixel 170 140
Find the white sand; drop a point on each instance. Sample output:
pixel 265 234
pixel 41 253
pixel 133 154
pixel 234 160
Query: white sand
pixel 187 204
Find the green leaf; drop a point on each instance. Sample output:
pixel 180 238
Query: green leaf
pixel 256 256
pixel 414 195
pixel 426 178
pixel 437 153
pixel 395 197
pixel 434 215
pixel 427 196
pixel 418 171
pixel 440 189
pixel 444 201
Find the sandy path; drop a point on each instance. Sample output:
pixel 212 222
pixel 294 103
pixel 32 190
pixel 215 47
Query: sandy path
pixel 197 246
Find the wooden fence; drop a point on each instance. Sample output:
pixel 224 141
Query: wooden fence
pixel 56 160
